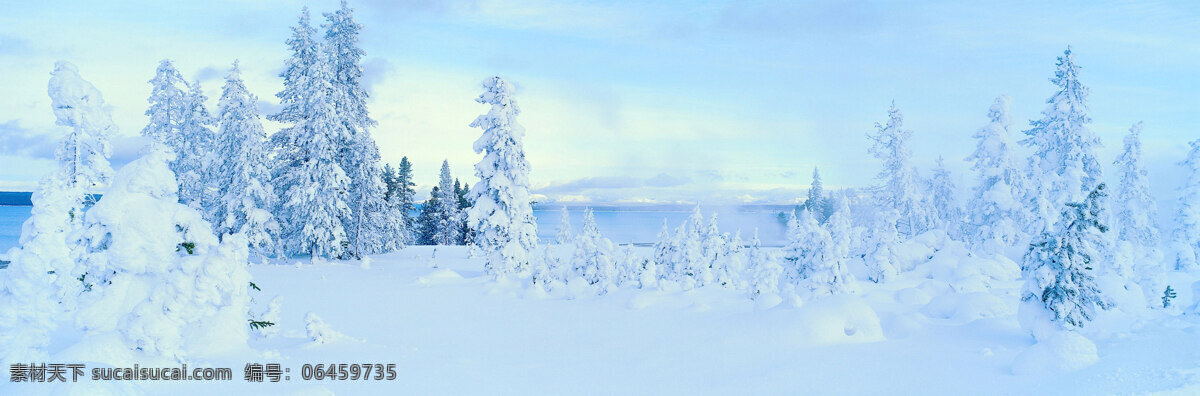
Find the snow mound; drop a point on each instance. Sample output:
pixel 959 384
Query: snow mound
pixel 1063 352
pixel 839 320
pixel 320 332
pixel 439 277
pixel 967 307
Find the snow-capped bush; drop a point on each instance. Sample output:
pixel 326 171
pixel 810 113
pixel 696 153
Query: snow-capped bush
pixel 155 273
pixel 594 259
pixel 319 331
pixel 764 269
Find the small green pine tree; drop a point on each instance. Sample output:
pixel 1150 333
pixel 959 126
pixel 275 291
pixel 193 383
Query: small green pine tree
pixel 1167 296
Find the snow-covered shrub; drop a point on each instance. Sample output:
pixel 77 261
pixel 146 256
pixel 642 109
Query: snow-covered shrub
pixel 764 269
pixel 319 331
pixel 1185 240
pixel 594 259
pixel 882 258
pixel 155 272
pixel 1058 269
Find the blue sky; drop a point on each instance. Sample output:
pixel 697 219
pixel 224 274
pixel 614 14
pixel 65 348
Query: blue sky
pixel 672 101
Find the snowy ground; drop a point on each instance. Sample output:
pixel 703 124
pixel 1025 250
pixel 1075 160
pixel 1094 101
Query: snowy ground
pixel 451 331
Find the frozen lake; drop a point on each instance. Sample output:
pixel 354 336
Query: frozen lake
pixel 622 225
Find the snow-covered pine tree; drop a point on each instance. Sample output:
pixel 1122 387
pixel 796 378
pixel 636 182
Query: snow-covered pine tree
pixel 246 196
pixel 388 175
pixel 428 220
pixel 156 274
pixel 465 234
pixel 881 258
pixel 816 200
pixel 691 264
pixel 996 216
pixel 664 251
pixel 313 186
pixel 764 270
pixel 793 250
pixel 1185 239
pixel 78 105
pixel 168 103
pixel 1058 266
pixel 593 258
pixel 194 161
pixel 841 231
pixel 563 234
pixel 370 227
pixel 1137 236
pixel 820 271
pixel 41 279
pixel 947 214
pixel 448 228
pixel 715 248
pixel 732 267
pixel 502 215
pixel 900 181
pixel 405 195
pixel 1064 162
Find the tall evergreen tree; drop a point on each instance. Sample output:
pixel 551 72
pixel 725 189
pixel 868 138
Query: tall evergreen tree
pixel 193 160
pixel 1058 266
pixel 465 234
pixel 1136 210
pixel 389 181
pixel 371 228
pixel 947 214
pixel 448 222
pixel 816 201
pixel 313 185
pixel 242 173
pixel 405 198
pixel 429 219
pixel 502 215
pixel 1185 240
pixel 1064 166
pixel 900 181
pixel 996 215
pixel 563 234
pixel 168 103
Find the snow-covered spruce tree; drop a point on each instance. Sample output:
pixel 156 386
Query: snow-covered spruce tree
pixel 691 265
pixel 900 181
pixel 502 215
pixel 313 186
pixel 465 234
pixel 194 160
pixel 447 226
pixel 1137 236
pixel 593 258
pixel 83 160
pixel 39 283
pixel 996 215
pixel 545 270
pixel 1058 266
pixel 388 175
pixel 629 267
pixel 246 196
pixel 1185 239
pixel 78 105
pixel 715 248
pixel 370 227
pixel 947 214
pixel 155 272
pixel 816 200
pixel 1064 165
pixel 405 199
pixel 821 272
pixel 881 258
pixel 841 231
pixel 168 103
pixel 562 234
pixel 793 250
pixel 664 251
pixel 427 221
pixel 764 269
pixel 729 270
